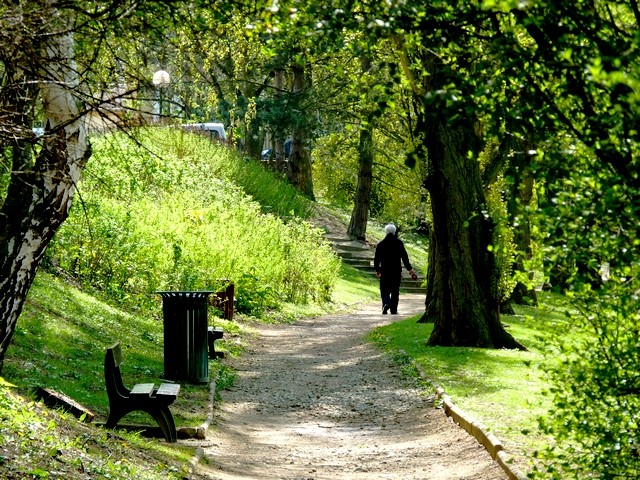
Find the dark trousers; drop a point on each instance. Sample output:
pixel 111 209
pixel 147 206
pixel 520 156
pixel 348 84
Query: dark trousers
pixel 390 291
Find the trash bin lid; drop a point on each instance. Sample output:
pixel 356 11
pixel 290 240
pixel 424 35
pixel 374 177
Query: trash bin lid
pixel 185 293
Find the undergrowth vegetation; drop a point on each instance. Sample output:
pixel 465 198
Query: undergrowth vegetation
pixel 595 388
pixel 169 211
pixel 37 442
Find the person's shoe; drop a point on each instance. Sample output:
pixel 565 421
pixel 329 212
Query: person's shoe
pixel 394 313
pixel 385 309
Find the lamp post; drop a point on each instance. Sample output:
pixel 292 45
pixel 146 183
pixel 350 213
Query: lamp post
pixel 161 79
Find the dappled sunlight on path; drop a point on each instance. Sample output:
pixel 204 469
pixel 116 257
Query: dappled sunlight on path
pixel 312 400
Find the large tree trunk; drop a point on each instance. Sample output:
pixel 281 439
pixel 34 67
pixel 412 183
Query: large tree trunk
pixel 299 169
pixel 462 277
pixel 39 197
pixel 462 291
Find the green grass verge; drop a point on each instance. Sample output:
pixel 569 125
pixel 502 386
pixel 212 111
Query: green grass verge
pixel 503 389
pixel 354 286
pixel 60 343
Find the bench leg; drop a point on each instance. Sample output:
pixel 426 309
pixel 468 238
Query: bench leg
pixel 212 336
pixel 162 416
pixel 114 417
pixel 164 419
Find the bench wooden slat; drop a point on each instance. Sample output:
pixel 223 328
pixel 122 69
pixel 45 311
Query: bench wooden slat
pixel 142 389
pixel 168 389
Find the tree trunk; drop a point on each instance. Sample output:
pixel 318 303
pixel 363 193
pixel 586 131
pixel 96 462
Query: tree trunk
pixel 299 169
pixel 278 134
pixel 38 198
pixel 521 198
pixel 462 291
pixel 360 215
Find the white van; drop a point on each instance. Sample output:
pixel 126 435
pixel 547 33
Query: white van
pixel 215 131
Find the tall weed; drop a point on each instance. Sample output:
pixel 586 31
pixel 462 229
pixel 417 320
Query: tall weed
pixel 163 214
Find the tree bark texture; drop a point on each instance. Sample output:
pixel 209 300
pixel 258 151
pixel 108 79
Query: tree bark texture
pixel 40 194
pixel 278 134
pixel 462 290
pixel 299 169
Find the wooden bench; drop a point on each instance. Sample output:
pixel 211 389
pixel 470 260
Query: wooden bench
pixel 225 301
pixel 213 334
pixel 143 397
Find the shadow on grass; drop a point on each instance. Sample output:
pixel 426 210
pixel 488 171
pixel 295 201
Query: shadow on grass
pixel 60 343
pixel 483 373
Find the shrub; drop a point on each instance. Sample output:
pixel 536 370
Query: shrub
pixel 596 390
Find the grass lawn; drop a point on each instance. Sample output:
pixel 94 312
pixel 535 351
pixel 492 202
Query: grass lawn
pixel 503 389
pixel 354 287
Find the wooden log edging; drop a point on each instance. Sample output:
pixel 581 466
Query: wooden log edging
pixel 202 431
pixel 472 426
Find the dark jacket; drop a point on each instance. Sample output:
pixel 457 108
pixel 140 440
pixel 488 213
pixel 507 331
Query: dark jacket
pixel 390 255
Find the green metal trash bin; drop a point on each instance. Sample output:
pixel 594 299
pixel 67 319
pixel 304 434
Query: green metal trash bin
pixel 185 335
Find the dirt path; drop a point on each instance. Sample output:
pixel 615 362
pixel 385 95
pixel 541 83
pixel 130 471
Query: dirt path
pixel 314 401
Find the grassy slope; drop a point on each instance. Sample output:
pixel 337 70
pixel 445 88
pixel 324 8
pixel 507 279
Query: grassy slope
pixel 59 343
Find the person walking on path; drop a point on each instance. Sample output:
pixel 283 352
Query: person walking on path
pixel 388 260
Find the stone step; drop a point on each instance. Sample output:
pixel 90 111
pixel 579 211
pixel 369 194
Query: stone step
pixel 368 270
pixel 340 240
pixel 351 247
pixel 332 238
pixel 359 261
pixel 363 255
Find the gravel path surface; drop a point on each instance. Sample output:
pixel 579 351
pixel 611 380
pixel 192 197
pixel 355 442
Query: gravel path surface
pixel 313 400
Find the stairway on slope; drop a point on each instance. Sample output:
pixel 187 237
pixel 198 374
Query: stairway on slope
pixel 356 253
pixel 360 255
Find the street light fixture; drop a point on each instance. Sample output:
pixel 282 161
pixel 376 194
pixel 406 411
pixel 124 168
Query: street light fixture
pixel 161 79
